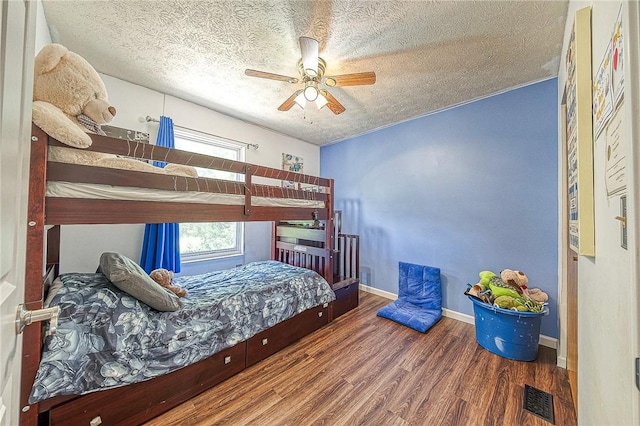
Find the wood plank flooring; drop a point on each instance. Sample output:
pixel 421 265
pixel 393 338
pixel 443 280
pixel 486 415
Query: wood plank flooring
pixel 365 370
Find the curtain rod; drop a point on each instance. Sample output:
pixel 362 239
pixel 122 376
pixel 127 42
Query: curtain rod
pixel 249 145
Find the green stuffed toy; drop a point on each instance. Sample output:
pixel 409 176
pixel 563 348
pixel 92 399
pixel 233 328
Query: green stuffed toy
pixel 500 288
pixel 485 276
pixel 517 304
pixel 505 294
pixel 508 302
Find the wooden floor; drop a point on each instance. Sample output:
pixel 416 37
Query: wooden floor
pixel 366 370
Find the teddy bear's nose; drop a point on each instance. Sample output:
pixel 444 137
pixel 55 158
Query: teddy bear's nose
pixel 112 110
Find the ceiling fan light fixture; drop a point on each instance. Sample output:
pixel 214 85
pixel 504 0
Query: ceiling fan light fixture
pixel 321 101
pixel 301 100
pixel 311 91
pixel 311 68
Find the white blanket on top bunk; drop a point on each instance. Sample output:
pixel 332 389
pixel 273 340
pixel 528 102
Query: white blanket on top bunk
pixel 108 192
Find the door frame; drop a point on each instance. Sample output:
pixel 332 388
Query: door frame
pixel 568 259
pixel 632 96
pixel 17 45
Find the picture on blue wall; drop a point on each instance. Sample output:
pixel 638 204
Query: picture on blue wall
pixel 292 163
pixel 578 127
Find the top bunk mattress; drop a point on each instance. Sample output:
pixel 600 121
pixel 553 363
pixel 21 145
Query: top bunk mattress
pixel 109 192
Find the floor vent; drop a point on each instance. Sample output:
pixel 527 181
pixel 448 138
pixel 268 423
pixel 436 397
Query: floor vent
pixel 539 403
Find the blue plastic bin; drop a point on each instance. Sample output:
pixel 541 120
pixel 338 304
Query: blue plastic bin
pixel 510 334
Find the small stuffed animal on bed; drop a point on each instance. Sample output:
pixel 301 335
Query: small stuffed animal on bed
pixel 69 97
pixel 164 277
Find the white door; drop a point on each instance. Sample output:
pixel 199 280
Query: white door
pixel 633 219
pixel 17 46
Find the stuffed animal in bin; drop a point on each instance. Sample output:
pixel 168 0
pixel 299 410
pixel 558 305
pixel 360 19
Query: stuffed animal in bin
pixel 164 277
pixel 518 304
pixel 69 97
pixel 501 288
pixel 508 302
pixel 538 295
pixel 520 279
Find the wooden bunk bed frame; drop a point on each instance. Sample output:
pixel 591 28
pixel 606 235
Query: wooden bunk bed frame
pixel 309 237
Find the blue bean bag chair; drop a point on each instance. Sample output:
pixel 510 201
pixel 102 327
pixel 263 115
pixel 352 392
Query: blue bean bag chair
pixel 419 303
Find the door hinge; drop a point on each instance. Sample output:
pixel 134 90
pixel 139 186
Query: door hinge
pixel 638 373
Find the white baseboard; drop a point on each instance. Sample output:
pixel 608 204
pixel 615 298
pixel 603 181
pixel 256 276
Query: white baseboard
pixel 550 342
pixel 458 316
pixel 561 362
pixel 377 292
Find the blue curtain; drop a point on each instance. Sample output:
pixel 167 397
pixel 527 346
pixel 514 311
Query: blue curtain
pixel 161 244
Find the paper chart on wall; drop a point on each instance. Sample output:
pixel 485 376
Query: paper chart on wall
pixel 572 146
pixel 572 191
pixel 608 81
pixel 615 155
pixel 602 94
pixel 579 121
pixel 617 68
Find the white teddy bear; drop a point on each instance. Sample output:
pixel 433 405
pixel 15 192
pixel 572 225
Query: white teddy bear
pixel 69 97
pixel 69 101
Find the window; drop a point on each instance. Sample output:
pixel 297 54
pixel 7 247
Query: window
pixel 200 241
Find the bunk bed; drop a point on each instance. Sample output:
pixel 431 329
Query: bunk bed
pixel 306 234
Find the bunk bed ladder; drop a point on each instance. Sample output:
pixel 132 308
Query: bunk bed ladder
pixel 346 252
pixel 346 258
pixel 324 248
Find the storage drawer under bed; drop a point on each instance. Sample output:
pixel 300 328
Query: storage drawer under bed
pixel 270 341
pixel 347 297
pixel 115 407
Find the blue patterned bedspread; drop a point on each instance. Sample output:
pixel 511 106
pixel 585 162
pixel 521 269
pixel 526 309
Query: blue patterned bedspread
pixel 106 338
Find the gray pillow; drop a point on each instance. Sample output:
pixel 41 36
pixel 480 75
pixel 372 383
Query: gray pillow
pixel 129 277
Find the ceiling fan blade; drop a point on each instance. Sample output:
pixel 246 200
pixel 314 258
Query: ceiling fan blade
pixel 332 103
pixel 286 105
pixel 357 79
pixel 270 76
pixel 309 50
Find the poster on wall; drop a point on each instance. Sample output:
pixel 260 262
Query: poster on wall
pixel 617 68
pixel 615 155
pixel 573 196
pixel 602 94
pixel 294 164
pixel 608 80
pixel 578 125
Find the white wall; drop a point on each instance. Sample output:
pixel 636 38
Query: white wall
pixel 83 244
pixel 607 289
pixel 42 32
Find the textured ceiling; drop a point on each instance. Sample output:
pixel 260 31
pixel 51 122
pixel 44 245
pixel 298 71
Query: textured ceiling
pixel 427 55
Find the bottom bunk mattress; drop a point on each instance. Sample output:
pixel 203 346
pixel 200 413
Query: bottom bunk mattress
pixel 106 338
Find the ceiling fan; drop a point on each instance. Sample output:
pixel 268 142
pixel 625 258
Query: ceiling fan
pixel 311 68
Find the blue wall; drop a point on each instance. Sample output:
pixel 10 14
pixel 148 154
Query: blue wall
pixel 467 189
